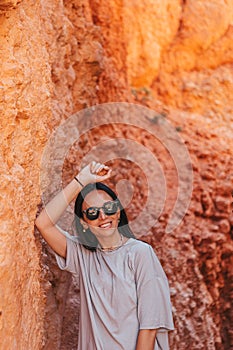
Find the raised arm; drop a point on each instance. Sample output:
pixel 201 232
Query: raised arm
pixel 46 221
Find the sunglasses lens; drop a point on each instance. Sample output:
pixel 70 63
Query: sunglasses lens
pixel 92 213
pixel 110 208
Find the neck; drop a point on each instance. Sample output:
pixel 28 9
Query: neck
pixel 108 243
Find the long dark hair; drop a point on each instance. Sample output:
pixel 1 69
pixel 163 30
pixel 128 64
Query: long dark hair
pixel 88 239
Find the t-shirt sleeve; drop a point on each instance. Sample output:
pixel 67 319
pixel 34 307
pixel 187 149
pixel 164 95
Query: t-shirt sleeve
pixel 154 306
pixel 71 263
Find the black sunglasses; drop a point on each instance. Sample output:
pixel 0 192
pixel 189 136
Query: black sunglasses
pixel 109 208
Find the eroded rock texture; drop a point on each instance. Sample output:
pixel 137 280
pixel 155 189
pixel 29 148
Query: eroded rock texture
pixel 172 56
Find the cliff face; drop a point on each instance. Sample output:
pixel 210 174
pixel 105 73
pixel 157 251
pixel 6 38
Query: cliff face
pixel 174 57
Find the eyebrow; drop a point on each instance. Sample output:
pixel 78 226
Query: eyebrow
pixel 96 206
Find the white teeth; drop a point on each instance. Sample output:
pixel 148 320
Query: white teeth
pixel 107 224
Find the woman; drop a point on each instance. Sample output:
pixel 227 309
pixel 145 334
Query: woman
pixel 125 302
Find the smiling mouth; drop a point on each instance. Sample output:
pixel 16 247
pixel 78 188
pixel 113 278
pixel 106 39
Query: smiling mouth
pixel 106 225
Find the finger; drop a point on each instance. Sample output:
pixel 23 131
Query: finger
pixel 92 166
pixel 103 170
pixel 102 177
pixel 97 166
pixel 100 168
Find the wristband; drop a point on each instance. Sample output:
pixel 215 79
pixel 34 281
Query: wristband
pixel 80 183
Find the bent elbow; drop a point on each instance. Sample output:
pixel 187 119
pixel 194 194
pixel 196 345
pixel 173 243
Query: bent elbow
pixel 40 223
pixel 37 222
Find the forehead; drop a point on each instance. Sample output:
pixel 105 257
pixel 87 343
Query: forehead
pixel 96 198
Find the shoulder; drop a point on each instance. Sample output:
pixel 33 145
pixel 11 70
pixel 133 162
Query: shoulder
pixel 142 251
pixel 145 259
pixel 141 247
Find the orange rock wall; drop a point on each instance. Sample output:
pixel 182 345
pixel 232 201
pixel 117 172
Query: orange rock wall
pixel 43 78
pixel 25 101
pixel 59 57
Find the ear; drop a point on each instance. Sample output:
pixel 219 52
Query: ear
pixel 84 224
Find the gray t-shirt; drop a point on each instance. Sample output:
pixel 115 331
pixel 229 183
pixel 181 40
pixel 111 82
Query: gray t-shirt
pixel 121 292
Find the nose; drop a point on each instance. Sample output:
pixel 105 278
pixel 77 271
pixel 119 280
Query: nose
pixel 102 215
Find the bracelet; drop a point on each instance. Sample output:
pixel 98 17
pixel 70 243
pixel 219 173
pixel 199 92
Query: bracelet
pixel 80 183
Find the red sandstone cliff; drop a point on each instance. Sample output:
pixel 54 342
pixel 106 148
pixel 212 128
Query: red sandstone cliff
pixel 174 57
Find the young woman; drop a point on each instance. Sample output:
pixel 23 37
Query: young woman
pixel 125 301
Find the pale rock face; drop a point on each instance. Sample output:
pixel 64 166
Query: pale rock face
pixel 172 56
pixel 149 27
